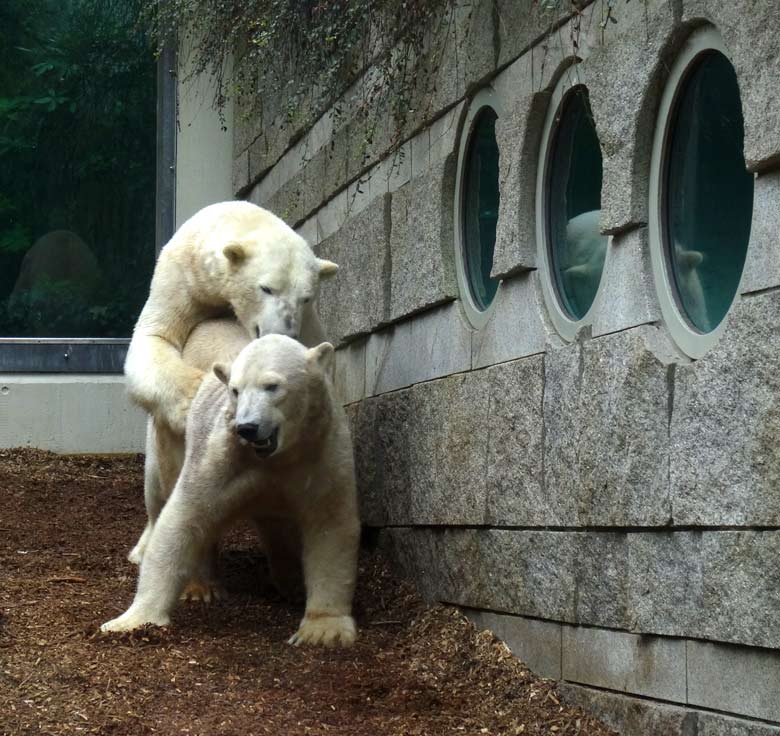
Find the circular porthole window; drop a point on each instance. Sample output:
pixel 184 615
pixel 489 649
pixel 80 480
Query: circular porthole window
pixel 702 194
pixel 476 203
pixel 572 249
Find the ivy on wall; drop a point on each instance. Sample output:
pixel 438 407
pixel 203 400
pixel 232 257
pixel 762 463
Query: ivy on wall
pixel 305 53
pixel 284 62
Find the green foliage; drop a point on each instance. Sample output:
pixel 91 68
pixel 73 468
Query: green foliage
pixel 306 52
pixel 77 146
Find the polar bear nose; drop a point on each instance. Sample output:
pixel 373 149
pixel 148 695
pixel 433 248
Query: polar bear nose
pixel 248 431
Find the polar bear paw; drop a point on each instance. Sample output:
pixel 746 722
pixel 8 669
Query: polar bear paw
pixel 131 620
pixel 204 591
pixel 321 629
pixel 175 412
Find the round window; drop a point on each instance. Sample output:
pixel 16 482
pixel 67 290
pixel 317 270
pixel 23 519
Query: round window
pixel 479 208
pixel 702 203
pixel 709 193
pixel 576 248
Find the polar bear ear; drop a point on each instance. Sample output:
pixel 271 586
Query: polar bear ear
pixel 327 268
pixel 234 252
pixel 222 371
pixel 321 356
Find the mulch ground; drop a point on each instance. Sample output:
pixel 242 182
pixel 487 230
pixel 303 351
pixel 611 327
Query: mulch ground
pixel 66 524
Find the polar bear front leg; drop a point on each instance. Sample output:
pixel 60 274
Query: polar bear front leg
pixel 330 567
pixel 176 546
pixel 160 381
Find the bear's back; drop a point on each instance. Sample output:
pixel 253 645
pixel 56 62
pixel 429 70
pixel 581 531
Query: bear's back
pixel 214 341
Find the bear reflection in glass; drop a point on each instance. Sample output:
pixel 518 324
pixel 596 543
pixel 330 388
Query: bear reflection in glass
pixel 576 247
pixel 709 193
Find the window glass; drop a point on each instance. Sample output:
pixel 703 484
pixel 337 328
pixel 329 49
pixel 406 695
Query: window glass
pixel 77 168
pixel 576 247
pixel 480 208
pixel 709 198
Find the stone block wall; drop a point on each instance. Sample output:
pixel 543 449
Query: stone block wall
pixel 609 507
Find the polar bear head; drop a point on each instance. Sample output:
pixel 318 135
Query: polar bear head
pixel 270 275
pixel 277 391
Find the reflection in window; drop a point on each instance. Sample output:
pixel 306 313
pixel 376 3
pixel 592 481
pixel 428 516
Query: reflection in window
pixel 480 208
pixel 576 247
pixel 77 168
pixel 709 193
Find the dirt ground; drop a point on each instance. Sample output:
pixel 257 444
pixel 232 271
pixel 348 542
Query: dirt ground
pixel 66 525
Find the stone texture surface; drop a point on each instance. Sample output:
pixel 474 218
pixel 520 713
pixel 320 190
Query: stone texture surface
pixel 240 178
pixel 762 263
pixel 632 716
pixel 606 430
pixel 518 134
pixel 536 643
pixel 627 297
pixel 349 378
pixel 516 327
pixel 718 585
pixel 624 70
pixel 753 38
pixel 417 476
pixel 355 302
pixel 741 589
pixel 734 679
pixel 650 666
pixel 519 25
pixel 433 344
pixel 667 590
pixel 421 241
pixel 515 483
pixel 711 724
pixel 725 467
pixel 575 577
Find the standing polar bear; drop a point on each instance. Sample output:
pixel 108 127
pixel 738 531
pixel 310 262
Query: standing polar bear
pixel 229 256
pixel 266 439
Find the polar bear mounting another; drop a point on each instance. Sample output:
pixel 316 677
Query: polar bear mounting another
pixel 231 256
pixel 266 440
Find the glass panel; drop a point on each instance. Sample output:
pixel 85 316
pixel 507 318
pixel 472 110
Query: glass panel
pixel 709 193
pixel 577 248
pixel 77 168
pixel 480 208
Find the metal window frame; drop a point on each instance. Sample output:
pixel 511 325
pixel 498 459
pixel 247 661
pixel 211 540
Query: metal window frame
pixel 96 354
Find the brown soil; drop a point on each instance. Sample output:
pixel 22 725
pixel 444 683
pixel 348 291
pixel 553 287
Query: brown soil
pixel 66 524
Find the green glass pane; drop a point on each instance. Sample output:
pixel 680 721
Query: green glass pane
pixel 480 208
pixel 576 247
pixel 77 167
pixel 709 199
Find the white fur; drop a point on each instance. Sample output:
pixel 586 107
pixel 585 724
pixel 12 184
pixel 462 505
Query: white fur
pixel 304 491
pixel 226 257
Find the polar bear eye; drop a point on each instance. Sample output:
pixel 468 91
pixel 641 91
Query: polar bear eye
pixel 257 331
pixel 271 387
pixel 235 392
pixel 306 299
pixel 266 290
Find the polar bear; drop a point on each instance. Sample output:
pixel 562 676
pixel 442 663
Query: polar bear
pixel 228 256
pixel 266 439
pixel 215 340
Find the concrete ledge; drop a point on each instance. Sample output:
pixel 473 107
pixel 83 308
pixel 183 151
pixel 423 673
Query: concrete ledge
pixel 636 717
pixel 535 642
pixel 734 679
pixel 642 665
pixel 69 414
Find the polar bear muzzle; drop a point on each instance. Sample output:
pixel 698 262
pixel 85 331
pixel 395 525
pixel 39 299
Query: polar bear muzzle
pixel 263 438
